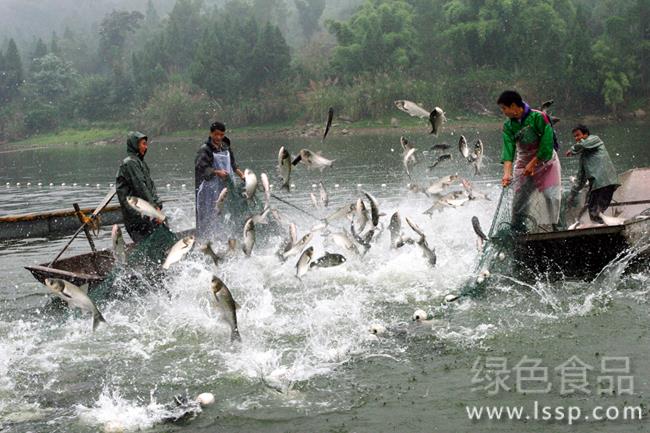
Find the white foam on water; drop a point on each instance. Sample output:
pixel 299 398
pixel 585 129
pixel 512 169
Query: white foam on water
pixel 111 409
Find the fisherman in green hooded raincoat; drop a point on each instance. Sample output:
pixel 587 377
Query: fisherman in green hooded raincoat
pixel 596 167
pixel 134 180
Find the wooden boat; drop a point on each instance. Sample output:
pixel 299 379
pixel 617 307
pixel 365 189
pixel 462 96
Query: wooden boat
pixel 583 252
pixel 91 268
pixel 58 222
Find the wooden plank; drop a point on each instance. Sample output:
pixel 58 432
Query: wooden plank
pixel 61 213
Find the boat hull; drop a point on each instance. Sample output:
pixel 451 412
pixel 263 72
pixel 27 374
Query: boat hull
pixel 54 223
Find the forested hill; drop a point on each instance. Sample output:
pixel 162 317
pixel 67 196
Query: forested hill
pixel 169 66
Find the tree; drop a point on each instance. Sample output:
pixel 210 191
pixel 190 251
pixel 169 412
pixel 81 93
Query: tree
pixel 309 12
pixel 181 35
pixel 52 79
pixel 379 38
pixel 54 45
pixel 151 17
pixel 113 32
pixel 11 75
pixel 39 50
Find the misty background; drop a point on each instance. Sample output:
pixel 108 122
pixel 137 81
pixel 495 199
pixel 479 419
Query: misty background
pixel 170 65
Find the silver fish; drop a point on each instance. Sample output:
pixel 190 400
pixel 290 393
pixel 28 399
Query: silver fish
pixel 440 146
pixel 297 247
pixel 428 252
pixel 75 297
pixel 406 146
pixel 227 305
pixel 412 109
pixel 314 201
pixel 324 197
pixel 463 147
pixel 312 160
pixel 178 251
pixel 284 167
pixel 414 227
pixel 408 158
pixel 361 214
pixel 328 260
pixel 145 208
pixel 374 208
pixel 364 241
pixel 293 233
pixel 267 189
pixel 444 157
pixel 477 156
pixel 328 125
pixel 119 248
pixel 251 184
pixel 395 229
pixel 221 201
pixel 342 212
pixel 440 185
pixel 476 225
pixel 302 266
pixel 206 249
pixel 249 236
pixel 436 118
pixel 343 240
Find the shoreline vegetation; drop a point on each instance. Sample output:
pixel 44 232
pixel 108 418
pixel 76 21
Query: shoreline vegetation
pixel 104 134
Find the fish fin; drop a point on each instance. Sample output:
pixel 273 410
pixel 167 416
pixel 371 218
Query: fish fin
pixel 96 319
pixel 84 288
pixel 296 160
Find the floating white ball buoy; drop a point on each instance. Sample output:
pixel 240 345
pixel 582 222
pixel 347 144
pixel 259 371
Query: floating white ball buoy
pixel 29 184
pixel 392 150
pixel 183 186
pixel 484 275
pixel 336 185
pixel 40 184
pixel 168 186
pixel 110 185
pixel 87 184
pixel 420 315
pixel 359 185
pixel 313 185
pixel 51 184
pixel 205 399
pixel 377 329
pixel 7 184
pixel 383 185
pixel 97 186
pixel 293 185
pixel 17 183
pixel 74 184
pixel 62 183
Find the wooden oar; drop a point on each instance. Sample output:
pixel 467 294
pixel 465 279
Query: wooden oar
pixel 109 196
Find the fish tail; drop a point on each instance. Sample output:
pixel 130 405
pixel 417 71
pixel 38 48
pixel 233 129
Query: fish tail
pixel 234 335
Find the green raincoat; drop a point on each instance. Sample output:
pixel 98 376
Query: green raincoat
pixel 595 165
pixel 134 179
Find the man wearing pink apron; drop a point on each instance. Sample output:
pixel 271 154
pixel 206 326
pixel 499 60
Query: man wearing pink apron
pixel 531 164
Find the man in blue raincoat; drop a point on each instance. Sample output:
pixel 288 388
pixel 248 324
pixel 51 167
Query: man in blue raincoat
pixel 214 170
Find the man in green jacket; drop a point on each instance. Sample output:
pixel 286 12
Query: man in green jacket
pixel 134 179
pixel 597 168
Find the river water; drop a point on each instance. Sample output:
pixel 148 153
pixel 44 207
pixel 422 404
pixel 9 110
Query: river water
pixel 307 361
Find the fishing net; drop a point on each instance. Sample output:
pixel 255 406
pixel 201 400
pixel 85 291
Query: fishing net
pixel 142 271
